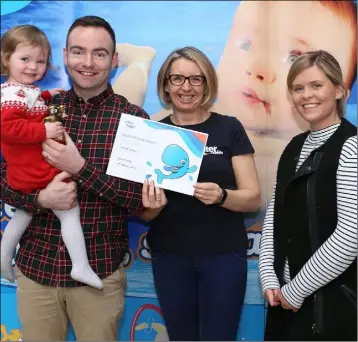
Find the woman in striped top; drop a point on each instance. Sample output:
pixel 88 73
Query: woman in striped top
pixel 308 249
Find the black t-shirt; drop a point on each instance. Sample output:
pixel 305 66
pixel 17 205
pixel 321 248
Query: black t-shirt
pixel 186 225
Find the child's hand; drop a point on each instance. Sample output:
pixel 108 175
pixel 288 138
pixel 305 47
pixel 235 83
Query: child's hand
pixel 54 130
pixel 55 91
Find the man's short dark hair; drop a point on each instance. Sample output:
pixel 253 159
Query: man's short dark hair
pixel 93 21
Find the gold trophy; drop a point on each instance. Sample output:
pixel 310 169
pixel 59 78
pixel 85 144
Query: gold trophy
pixel 57 113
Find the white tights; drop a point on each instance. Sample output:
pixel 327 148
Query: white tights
pixel 72 236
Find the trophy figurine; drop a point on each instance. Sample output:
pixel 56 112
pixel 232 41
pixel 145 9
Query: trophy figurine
pixel 57 113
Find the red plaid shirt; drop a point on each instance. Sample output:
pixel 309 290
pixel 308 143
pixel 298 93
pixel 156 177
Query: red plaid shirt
pixel 105 201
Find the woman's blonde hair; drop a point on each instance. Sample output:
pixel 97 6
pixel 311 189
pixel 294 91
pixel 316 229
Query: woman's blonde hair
pixel 22 34
pixel 203 62
pixel 329 66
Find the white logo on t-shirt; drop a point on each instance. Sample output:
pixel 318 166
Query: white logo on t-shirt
pixel 212 150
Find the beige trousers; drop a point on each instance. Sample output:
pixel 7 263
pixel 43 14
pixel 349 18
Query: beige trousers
pixel 45 311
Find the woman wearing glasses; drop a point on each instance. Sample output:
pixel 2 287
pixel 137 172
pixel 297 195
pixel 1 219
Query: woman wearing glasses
pixel 199 244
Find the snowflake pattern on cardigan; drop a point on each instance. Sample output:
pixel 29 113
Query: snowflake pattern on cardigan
pixel 28 97
pixel 23 109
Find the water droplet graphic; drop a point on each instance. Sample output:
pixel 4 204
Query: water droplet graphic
pixel 12 6
pixel 149 163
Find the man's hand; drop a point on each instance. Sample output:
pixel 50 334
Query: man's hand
pixel 270 295
pixel 63 157
pixel 58 195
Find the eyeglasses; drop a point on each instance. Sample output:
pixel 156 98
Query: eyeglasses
pixel 178 80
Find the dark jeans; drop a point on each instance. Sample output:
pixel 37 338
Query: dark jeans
pixel 201 296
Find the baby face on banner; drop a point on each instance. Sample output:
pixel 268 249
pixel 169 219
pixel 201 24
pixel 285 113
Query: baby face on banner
pixel 265 38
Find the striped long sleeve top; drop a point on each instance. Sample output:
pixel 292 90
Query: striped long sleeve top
pixel 339 250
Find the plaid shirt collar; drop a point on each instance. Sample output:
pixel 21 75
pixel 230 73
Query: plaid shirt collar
pixel 96 101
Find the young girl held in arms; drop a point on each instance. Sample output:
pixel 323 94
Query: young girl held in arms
pixel 25 56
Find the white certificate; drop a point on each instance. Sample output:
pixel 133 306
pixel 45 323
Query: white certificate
pixel 170 156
